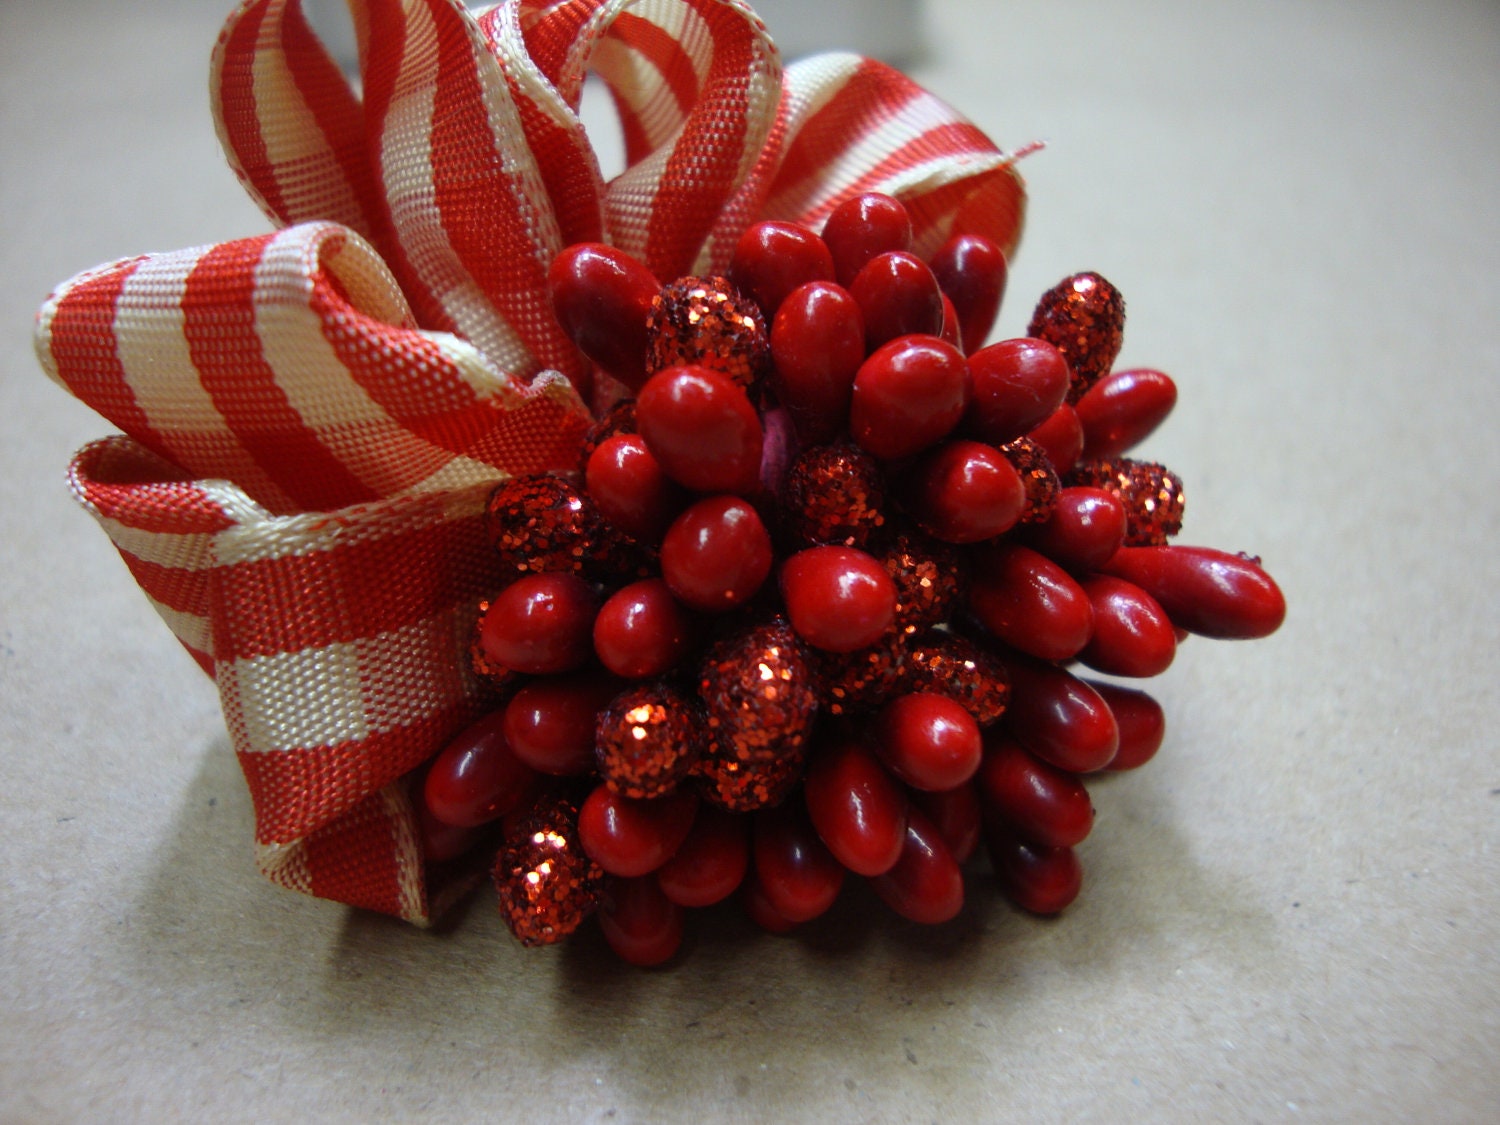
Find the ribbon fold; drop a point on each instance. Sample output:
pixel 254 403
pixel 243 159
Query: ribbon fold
pixel 314 417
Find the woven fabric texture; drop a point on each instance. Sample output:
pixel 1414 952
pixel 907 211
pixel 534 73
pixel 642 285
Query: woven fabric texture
pixel 313 418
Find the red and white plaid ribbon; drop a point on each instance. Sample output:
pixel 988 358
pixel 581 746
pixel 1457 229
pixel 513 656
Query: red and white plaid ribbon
pixel 315 416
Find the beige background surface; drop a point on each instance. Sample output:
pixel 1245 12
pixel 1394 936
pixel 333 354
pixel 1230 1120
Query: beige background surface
pixel 1290 915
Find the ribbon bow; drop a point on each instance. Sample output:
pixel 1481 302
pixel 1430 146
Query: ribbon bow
pixel 314 417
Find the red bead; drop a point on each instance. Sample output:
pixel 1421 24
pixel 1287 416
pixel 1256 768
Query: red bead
pixel 700 426
pixel 541 623
pixel 549 723
pixel 898 296
pixel 838 598
pixel 759 909
pixel 716 554
pixel 640 923
pixel 1040 802
pixel 858 811
pixel 1038 878
pixel 908 395
pixel 771 259
pixel 966 492
pixel 711 862
pixel 951 333
pixel 642 630
pixel 440 842
pixel 627 485
pixel 602 297
pixel 928 740
pixel 633 837
pixel 926 884
pixel 956 814
pixel 1086 527
pixel 1061 438
pixel 972 271
pixel 1122 410
pixel 1029 602
pixel 476 778
pixel 1059 718
pixel 1084 316
pixel 1132 634
pixel 863 227
pixel 1208 592
pixel 796 871
pixel 818 344
pixel 1141 721
pixel 1018 384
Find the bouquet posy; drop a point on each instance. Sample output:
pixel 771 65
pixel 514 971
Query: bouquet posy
pixel 645 541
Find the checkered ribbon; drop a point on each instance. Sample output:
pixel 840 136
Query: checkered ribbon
pixel 314 417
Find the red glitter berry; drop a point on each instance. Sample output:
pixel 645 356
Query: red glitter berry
pixel 930 578
pixel 647 740
pixel 706 321
pixel 740 786
pixel 1083 316
pixel 834 494
pixel 849 683
pixel 547 885
pixel 1038 477
pixel 618 419
pixel 757 690
pixel 542 523
pixel 1150 493
pixel 956 667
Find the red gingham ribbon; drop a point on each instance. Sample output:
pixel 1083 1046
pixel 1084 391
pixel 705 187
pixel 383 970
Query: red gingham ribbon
pixel 315 416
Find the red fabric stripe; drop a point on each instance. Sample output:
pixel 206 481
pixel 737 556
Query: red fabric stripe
pixel 354 860
pixel 126 482
pixel 296 792
pixel 674 66
pixel 549 31
pixel 992 203
pixel 218 305
pixel 566 172
pixel 84 347
pixel 486 222
pixel 371 586
pixel 700 173
pixel 539 437
pixel 185 591
pixel 239 111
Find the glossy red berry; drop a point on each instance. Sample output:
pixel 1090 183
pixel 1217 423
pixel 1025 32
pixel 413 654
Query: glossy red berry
pixel 951 333
pixel 634 837
pixel 1040 802
pixel 759 909
pixel 1018 384
pixel 1059 718
pixel 602 297
pixel 771 259
pixel 716 554
pixel 1061 438
pixel 857 809
pixel 1132 634
pixel 1209 592
pixel 863 227
pixel 926 884
pixel 838 598
pixel 441 842
pixel 818 344
pixel 1029 602
pixel 702 429
pixel 957 816
pixel 1036 877
pixel 927 740
pixel 898 296
pixel 712 860
pixel 642 630
pixel 966 492
pixel 476 778
pixel 540 624
pixel 1122 409
pixel 549 723
pixel 1086 527
pixel 798 875
pixel 908 395
pixel 641 924
pixel 628 486
pixel 972 271
pixel 1141 721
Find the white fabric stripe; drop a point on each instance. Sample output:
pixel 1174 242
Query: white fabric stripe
pixel 191 629
pixel 406 171
pixel 402 819
pixel 152 347
pixel 192 551
pixel 306 173
pixel 285 865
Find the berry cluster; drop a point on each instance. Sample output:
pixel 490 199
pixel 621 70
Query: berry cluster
pixel 809 604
